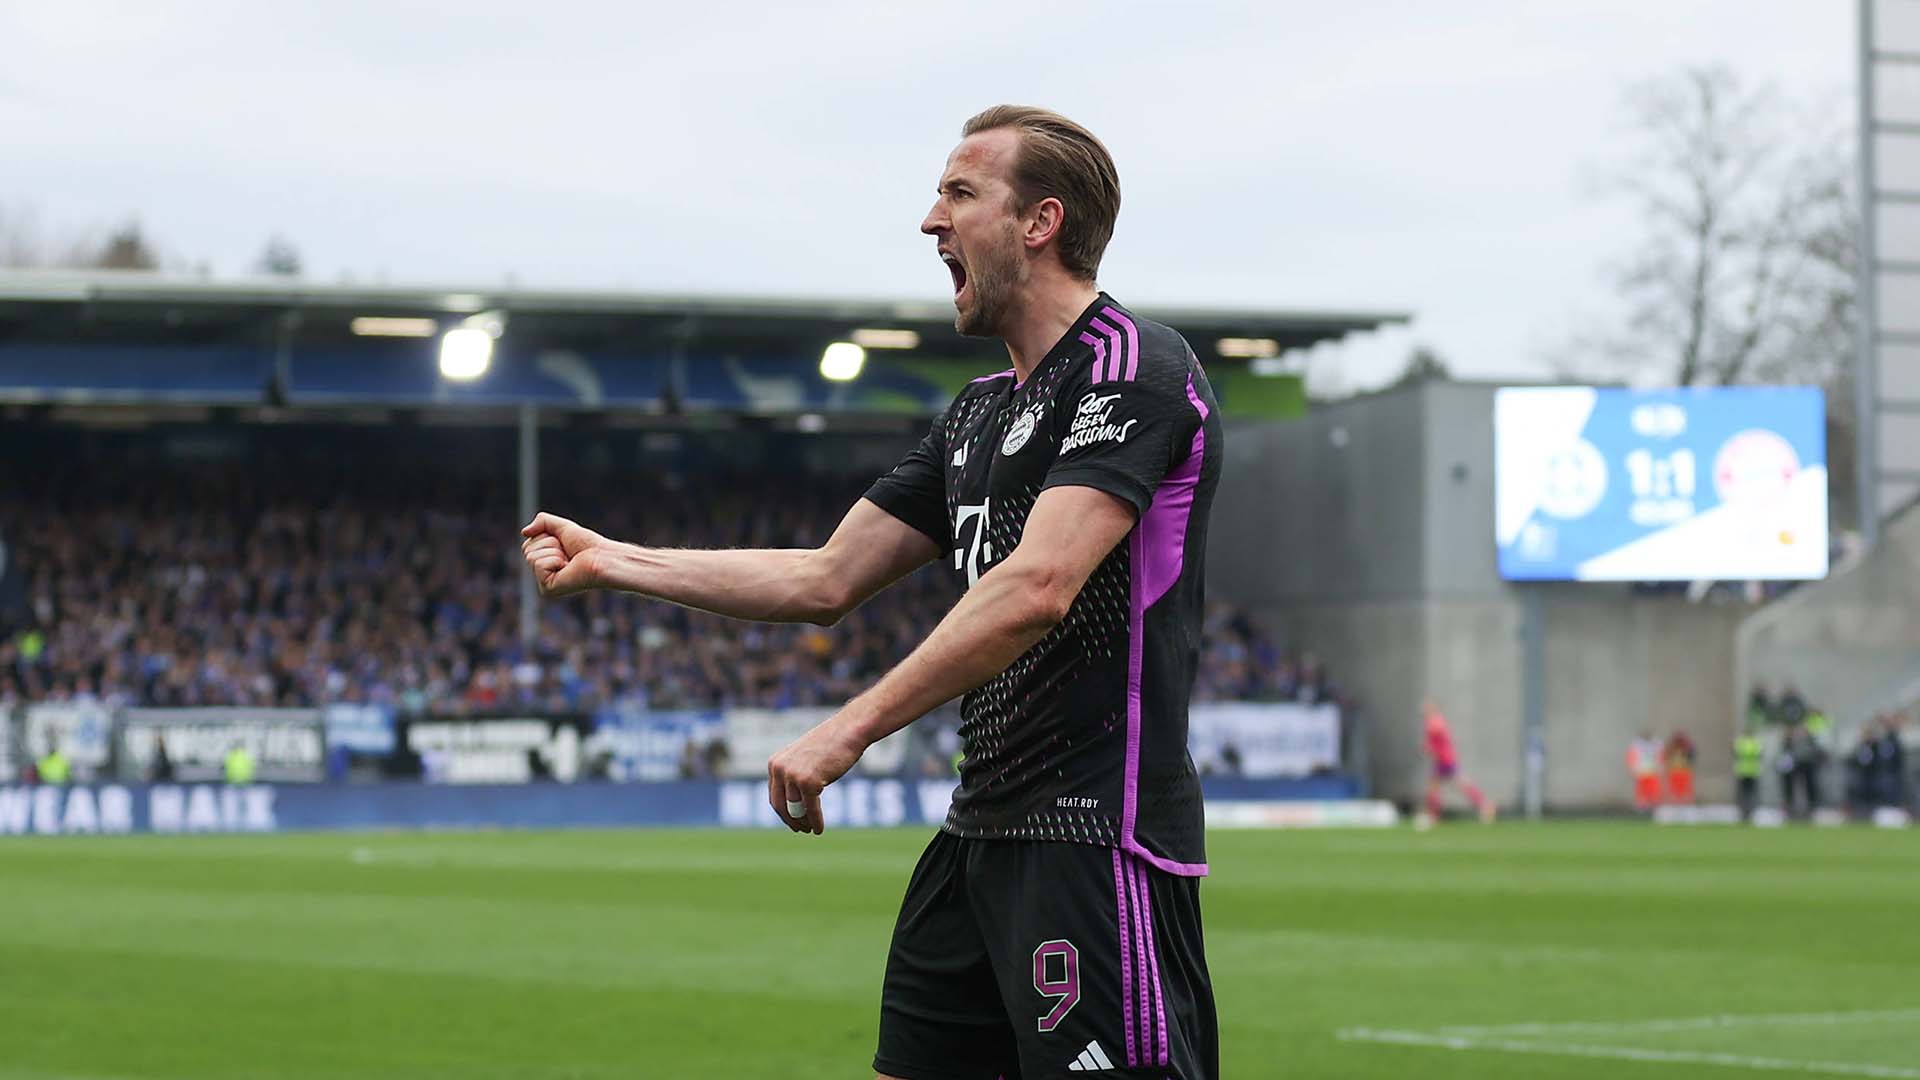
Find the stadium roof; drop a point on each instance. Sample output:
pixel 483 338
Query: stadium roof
pixel 200 301
pixel 114 336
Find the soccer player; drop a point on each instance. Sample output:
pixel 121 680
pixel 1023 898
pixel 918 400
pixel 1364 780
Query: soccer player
pixel 1446 767
pixel 1052 926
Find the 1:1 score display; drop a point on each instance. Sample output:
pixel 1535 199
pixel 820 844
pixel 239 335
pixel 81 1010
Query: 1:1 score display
pixel 1663 486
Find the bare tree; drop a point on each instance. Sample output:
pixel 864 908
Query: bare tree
pixel 280 258
pixel 1423 363
pixel 1744 272
pixel 127 249
pixel 25 245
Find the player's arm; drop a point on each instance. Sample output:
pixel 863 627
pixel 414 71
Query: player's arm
pixel 870 550
pixel 1005 613
pixel 898 527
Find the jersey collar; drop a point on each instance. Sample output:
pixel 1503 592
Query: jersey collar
pixel 1070 344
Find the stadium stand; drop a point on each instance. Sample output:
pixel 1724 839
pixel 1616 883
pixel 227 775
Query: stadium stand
pixel 304 574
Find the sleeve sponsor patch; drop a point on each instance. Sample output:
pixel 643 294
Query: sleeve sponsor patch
pixel 1094 421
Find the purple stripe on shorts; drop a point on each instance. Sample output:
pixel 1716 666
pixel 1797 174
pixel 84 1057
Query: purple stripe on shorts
pixel 1133 341
pixel 1140 974
pixel 1153 959
pixel 1126 960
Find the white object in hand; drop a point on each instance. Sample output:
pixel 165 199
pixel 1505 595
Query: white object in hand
pixel 796 810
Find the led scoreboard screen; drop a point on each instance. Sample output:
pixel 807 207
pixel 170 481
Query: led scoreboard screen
pixel 1726 483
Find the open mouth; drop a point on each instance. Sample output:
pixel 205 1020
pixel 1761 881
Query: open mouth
pixel 959 272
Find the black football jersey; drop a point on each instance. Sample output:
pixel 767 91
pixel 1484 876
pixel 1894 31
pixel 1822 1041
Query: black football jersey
pixel 1084 738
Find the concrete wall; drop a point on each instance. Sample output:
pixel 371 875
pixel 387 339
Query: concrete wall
pixel 1305 503
pixel 1850 644
pixel 1456 474
pixel 1365 531
pixel 1617 661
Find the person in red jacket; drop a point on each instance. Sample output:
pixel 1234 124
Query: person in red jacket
pixel 1446 767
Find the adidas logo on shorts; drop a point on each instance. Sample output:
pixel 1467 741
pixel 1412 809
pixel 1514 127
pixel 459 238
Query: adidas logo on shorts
pixel 1092 1059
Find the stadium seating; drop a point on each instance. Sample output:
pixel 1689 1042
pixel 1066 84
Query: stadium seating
pixel 295 583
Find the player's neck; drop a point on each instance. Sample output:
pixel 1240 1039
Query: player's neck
pixel 1052 305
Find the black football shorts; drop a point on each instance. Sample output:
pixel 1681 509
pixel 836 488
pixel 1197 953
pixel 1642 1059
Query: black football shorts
pixel 1030 960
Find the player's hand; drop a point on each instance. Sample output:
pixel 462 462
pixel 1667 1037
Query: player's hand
pixel 563 555
pixel 800 771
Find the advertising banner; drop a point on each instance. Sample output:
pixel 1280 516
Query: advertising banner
pixel 360 729
pixel 856 802
pixel 754 735
pixel 643 745
pixel 83 730
pixel 286 744
pixel 1275 739
pixel 498 749
pixel 291 745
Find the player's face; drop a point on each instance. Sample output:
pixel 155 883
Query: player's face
pixel 978 231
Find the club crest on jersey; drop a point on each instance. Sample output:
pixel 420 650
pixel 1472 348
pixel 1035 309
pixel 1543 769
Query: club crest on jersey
pixel 1093 422
pixel 1021 431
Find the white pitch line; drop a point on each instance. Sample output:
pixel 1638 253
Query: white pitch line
pixel 1627 1053
pixel 1690 1023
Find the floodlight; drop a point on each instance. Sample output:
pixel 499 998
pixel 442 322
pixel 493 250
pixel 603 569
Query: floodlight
pixel 465 352
pixel 842 361
pixel 870 338
pixel 389 326
pixel 1244 348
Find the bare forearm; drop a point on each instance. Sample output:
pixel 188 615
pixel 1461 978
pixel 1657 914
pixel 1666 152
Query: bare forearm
pixel 1001 617
pixel 767 585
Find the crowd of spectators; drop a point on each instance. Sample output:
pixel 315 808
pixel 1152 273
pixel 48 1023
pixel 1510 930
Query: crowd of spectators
pixel 269 583
pixel 1240 661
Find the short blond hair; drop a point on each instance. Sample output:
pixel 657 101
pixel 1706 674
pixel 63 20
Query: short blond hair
pixel 1061 160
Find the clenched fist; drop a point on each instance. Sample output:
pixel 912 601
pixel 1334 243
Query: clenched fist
pixel 563 555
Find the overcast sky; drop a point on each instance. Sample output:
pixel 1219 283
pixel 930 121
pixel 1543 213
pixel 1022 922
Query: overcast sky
pixel 1420 156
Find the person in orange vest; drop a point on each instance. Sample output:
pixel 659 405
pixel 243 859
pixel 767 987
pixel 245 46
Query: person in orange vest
pixel 1678 759
pixel 1643 763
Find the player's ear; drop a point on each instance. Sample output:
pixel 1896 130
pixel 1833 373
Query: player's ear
pixel 1044 222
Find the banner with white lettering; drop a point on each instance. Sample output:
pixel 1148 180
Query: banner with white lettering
pixel 643 744
pixel 497 749
pixel 754 735
pixel 286 744
pixel 853 802
pixel 360 729
pixel 62 809
pixel 1266 739
pixel 82 730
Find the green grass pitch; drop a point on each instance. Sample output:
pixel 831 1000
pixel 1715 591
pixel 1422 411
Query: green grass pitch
pixel 1518 951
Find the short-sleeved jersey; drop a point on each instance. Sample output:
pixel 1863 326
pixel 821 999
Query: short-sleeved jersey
pixel 1440 741
pixel 1084 737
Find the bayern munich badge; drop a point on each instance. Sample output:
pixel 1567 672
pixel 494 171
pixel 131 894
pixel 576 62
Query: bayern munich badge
pixel 1020 432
